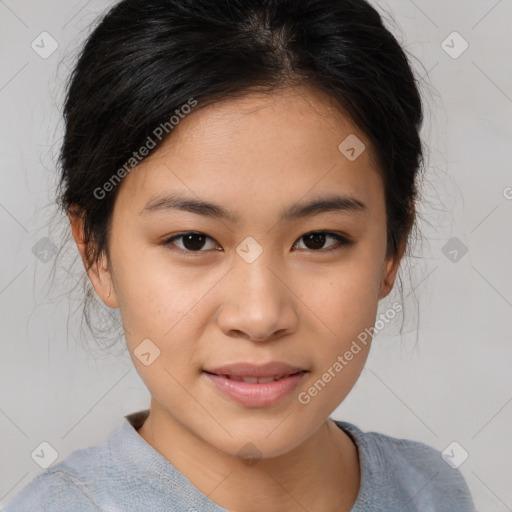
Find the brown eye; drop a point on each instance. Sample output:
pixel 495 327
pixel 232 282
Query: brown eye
pixel 194 242
pixel 316 240
pixel 191 242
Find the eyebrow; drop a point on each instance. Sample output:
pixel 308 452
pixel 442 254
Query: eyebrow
pixel 331 203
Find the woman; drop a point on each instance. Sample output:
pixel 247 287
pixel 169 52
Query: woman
pixel 241 181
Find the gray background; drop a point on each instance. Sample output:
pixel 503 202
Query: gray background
pixel 450 380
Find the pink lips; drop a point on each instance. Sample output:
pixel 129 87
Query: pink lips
pixel 262 388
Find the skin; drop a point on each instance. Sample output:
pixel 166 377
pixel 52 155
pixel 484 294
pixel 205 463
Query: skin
pixel 297 302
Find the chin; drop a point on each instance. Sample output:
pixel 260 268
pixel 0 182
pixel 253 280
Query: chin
pixel 258 440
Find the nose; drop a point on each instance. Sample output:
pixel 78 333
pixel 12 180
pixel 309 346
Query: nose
pixel 257 302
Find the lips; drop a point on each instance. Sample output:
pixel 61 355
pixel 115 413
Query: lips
pixel 259 380
pixel 253 380
pixel 255 386
pixel 247 372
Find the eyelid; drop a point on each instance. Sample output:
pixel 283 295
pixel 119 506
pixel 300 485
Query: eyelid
pixel 343 240
pixel 168 242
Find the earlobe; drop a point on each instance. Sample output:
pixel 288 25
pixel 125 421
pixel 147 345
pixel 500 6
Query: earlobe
pixel 101 279
pixel 389 274
pixel 99 273
pixel 388 277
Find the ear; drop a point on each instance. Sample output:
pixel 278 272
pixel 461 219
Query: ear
pixel 389 272
pixel 99 273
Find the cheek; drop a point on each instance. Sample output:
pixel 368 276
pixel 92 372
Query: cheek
pixel 158 302
pixel 345 304
pixel 345 308
pixel 164 327
pixel 346 298
pixel 159 310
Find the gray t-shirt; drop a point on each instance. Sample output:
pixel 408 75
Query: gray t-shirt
pixel 126 474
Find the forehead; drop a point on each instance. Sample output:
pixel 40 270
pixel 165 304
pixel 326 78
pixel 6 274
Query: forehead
pixel 260 150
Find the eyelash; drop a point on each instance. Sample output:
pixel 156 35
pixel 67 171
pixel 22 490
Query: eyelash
pixel 343 241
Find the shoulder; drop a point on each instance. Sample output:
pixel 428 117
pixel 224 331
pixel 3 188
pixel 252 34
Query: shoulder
pixel 410 472
pixel 52 490
pixel 414 457
pixel 122 474
pixel 71 484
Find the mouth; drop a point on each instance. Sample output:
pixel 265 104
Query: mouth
pixel 254 380
pixel 252 373
pixel 255 386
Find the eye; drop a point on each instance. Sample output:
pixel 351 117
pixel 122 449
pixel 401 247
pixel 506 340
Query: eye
pixel 192 241
pixel 316 240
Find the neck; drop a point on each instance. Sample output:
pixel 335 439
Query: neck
pixel 327 460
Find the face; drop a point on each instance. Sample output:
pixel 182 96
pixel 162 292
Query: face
pixel 198 290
